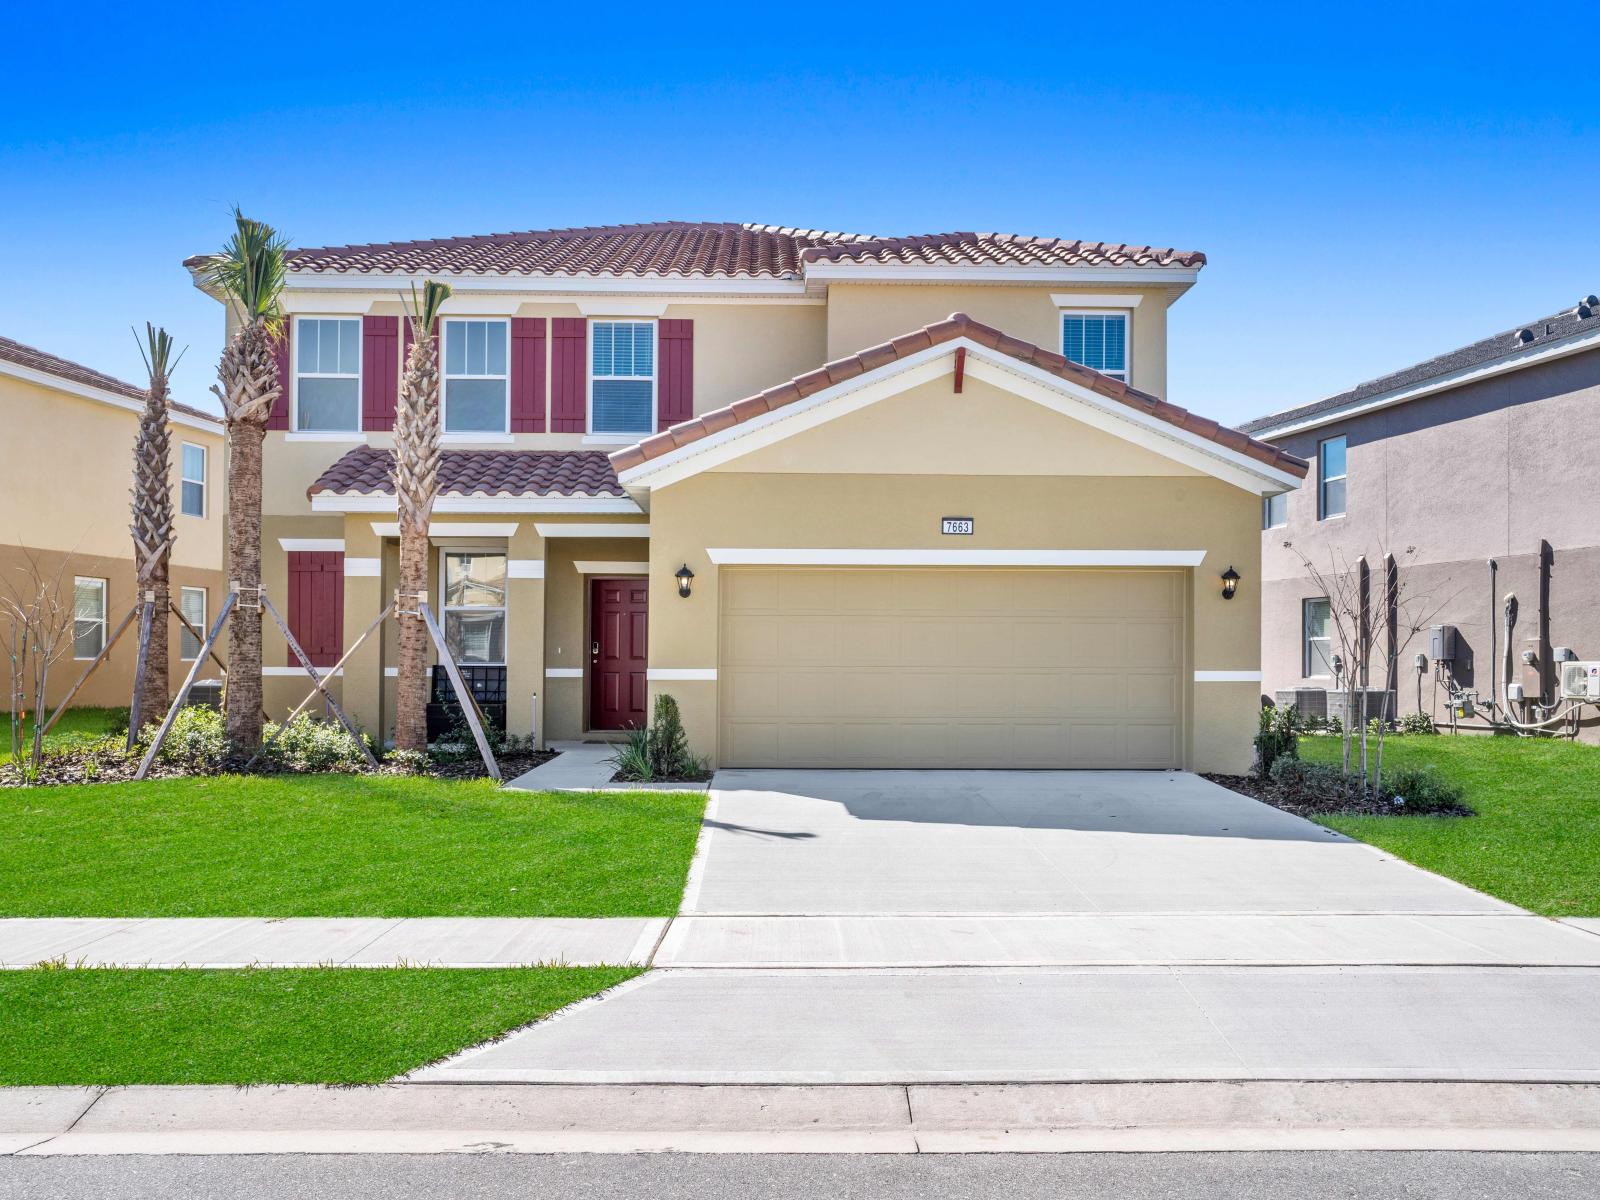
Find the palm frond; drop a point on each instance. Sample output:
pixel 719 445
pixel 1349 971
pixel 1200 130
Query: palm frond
pixel 422 308
pixel 156 350
pixel 250 271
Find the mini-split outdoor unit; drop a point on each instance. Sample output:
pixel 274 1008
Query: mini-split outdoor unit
pixel 1580 681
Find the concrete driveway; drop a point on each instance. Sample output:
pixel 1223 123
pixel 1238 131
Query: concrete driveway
pixel 901 927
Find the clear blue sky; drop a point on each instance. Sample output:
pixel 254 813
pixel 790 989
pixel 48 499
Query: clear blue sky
pixel 1371 186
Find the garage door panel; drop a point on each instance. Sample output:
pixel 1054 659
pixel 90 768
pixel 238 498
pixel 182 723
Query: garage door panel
pixel 953 668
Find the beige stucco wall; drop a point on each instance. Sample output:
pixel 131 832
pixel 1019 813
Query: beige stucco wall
pixel 866 314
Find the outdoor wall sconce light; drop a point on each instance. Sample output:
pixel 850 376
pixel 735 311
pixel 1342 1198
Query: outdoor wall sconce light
pixel 1230 583
pixel 685 578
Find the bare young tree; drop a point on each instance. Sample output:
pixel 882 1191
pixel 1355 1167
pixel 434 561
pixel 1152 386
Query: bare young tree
pixel 152 528
pixel 38 609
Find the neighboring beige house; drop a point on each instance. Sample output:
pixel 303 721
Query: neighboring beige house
pixel 66 473
pixel 915 540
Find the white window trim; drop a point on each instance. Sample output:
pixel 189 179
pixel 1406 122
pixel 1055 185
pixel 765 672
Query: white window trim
pixel 205 615
pixel 105 601
pixel 204 481
pixel 294 380
pixel 1323 480
pixel 1306 639
pixel 473 435
pixel 1266 512
pixel 655 378
pixel 1127 335
pixel 504 609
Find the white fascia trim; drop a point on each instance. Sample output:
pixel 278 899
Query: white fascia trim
pixel 352 438
pixel 322 672
pixel 594 529
pixel 790 556
pixel 945 273
pixel 1227 676
pixel 588 567
pixel 1442 383
pixel 331 502
pixel 625 306
pixel 1096 299
pixel 563 672
pixel 570 285
pixel 447 529
pixel 525 568
pixel 322 544
pixel 87 392
pixel 663 674
pixel 477 439
pixel 362 568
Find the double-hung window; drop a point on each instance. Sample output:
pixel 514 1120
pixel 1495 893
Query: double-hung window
pixel 1098 340
pixel 622 376
pixel 192 487
pixel 474 606
pixel 192 604
pixel 1331 478
pixel 88 617
pixel 1316 639
pixel 476 379
pixel 327 375
pixel 1275 511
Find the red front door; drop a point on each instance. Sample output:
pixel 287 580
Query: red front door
pixel 619 620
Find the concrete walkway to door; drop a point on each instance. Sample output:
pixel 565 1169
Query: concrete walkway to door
pixel 852 927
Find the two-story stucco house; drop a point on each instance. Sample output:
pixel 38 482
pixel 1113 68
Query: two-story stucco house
pixel 1475 460
pixel 766 470
pixel 66 469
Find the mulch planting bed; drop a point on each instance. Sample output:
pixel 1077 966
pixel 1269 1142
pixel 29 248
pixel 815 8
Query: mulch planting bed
pixel 1313 805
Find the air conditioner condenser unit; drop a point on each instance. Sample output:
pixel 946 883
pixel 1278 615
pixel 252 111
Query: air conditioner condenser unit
pixel 1580 681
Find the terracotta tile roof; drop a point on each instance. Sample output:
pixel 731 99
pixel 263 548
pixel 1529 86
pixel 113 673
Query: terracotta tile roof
pixel 957 325
pixel 710 249
pixel 1001 249
pixel 62 368
pixel 368 471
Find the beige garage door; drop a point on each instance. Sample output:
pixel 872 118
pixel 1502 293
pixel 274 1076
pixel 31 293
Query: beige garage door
pixel 956 667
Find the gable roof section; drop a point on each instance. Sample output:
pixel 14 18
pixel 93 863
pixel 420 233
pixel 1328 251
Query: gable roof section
pixel 367 471
pixel 956 326
pixel 33 359
pixel 1509 350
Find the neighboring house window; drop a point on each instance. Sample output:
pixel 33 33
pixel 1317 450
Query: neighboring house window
pixel 475 376
pixel 192 604
pixel 1331 478
pixel 622 377
pixel 475 606
pixel 88 617
pixel 1318 642
pixel 1275 511
pixel 192 491
pixel 327 375
pixel 1098 340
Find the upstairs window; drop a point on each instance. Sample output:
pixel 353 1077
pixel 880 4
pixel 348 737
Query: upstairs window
pixel 1317 640
pixel 1331 478
pixel 1098 340
pixel 192 488
pixel 1275 511
pixel 327 375
pixel 476 378
pixel 88 617
pixel 622 377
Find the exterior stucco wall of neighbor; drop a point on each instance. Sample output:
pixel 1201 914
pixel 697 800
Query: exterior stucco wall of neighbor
pixel 868 314
pixel 1484 471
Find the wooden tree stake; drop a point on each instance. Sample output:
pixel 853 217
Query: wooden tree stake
pixel 183 693
pixel 294 644
pixel 468 702
pixel 141 663
pixel 89 670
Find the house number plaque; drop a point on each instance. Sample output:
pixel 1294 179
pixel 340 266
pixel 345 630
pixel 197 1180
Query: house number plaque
pixel 956 525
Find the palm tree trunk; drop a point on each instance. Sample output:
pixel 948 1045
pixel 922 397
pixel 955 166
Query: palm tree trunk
pixel 243 717
pixel 411 711
pixel 154 690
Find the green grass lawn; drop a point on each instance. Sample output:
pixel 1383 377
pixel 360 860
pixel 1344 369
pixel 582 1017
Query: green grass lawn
pixel 341 845
pixel 76 724
pixel 1536 839
pixel 327 1025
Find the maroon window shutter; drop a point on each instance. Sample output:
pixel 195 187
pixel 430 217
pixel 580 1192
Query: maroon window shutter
pixel 569 375
pixel 316 605
pixel 380 371
pixel 278 418
pixel 527 374
pixel 675 385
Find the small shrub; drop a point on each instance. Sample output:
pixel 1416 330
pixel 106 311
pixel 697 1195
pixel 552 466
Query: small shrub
pixel 1420 791
pixel 407 762
pixel 1317 781
pixel 1277 737
pixel 661 751
pixel 117 721
pixel 197 741
pixel 310 746
pixel 632 757
pixel 1417 722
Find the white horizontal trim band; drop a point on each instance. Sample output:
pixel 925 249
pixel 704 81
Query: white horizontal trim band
pixel 322 672
pixel 1227 676
pixel 563 672
pixel 572 529
pixel 448 529
pixel 365 568
pixel 525 568
pixel 314 544
pixel 806 557
pixel 1096 299
pixel 662 674
pixel 589 567
pixel 391 672
pixel 352 437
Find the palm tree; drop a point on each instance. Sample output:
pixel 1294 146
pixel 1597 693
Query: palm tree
pixel 152 526
pixel 249 274
pixel 416 483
